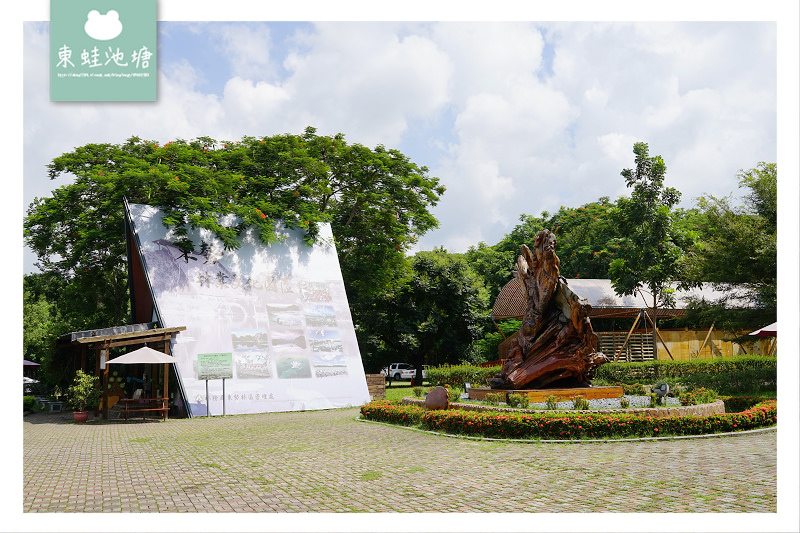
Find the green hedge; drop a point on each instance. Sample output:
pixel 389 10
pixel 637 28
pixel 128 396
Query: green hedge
pixel 737 404
pixel 28 403
pixel 457 375
pixel 726 375
pixel 566 425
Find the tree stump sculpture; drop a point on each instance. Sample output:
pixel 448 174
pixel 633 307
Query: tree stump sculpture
pixel 556 345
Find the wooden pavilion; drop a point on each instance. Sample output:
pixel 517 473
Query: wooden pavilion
pixel 91 349
pixel 635 344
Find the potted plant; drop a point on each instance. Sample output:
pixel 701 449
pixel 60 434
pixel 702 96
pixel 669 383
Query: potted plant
pixel 84 393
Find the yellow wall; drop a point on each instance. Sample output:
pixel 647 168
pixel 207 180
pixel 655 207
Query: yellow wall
pixel 684 345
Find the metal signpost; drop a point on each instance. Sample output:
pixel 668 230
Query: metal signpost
pixel 214 366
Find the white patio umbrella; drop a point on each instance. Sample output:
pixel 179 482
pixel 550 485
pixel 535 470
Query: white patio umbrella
pixel 767 331
pixel 143 355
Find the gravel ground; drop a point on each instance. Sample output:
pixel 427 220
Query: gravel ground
pixel 610 403
pixel 605 403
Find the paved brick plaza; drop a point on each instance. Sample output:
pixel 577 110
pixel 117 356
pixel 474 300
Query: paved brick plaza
pixel 327 461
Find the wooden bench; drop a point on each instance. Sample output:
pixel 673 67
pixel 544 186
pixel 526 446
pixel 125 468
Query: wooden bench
pixel 144 406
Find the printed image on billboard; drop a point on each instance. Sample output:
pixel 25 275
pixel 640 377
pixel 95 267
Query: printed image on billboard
pixel 290 341
pixel 293 367
pixel 329 365
pixel 325 340
pixel 249 340
pixel 252 365
pixel 319 316
pixel 172 267
pixel 286 315
pixel 251 356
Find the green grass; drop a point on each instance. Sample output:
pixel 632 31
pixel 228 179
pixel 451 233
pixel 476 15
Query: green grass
pixel 370 475
pixel 400 389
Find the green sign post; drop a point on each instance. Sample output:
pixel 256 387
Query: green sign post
pixel 214 366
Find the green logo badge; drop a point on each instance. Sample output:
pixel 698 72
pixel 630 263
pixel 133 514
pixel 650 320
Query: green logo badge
pixel 103 50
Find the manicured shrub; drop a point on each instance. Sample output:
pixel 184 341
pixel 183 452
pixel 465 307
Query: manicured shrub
pixel 457 375
pixel 495 398
pixel 737 404
pixel 633 389
pixel 393 412
pixel 521 401
pixel 727 375
pixel 697 396
pixel 568 425
pixel 453 394
pixel 28 403
pixel 580 404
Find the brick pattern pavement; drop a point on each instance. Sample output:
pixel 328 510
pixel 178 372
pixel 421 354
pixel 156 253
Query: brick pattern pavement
pixel 326 461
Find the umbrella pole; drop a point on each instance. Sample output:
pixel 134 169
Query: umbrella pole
pixel 105 356
pixel 166 378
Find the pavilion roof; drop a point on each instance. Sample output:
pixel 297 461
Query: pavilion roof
pixel 510 303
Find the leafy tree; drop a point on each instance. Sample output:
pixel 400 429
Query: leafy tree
pixel 485 349
pixel 376 200
pixel 738 251
pixel 433 315
pixel 586 239
pixel 44 298
pixel 651 247
pixel 37 318
pixel 495 264
pixel 587 243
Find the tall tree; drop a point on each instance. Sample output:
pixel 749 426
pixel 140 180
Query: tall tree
pixel 738 251
pixel 376 200
pixel 495 264
pixel 434 315
pixel 586 239
pixel 651 247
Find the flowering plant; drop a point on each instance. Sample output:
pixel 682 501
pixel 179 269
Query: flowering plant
pixel 567 424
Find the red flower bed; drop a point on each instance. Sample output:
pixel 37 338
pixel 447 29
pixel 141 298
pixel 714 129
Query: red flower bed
pixel 567 425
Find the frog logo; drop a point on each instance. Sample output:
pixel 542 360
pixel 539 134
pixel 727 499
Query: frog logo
pixel 103 27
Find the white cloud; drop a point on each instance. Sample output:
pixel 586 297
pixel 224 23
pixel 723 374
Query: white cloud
pixel 514 118
pixel 367 80
pixel 247 46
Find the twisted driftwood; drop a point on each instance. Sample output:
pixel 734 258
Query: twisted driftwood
pixel 556 343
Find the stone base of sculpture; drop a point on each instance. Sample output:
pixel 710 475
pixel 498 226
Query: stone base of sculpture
pixel 556 345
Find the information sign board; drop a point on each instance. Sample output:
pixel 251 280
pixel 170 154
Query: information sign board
pixel 214 366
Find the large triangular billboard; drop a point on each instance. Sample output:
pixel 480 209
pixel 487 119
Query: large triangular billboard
pixel 268 328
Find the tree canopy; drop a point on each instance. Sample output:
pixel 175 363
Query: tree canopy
pixel 376 200
pixel 739 248
pixel 652 250
pixel 432 315
pixel 431 308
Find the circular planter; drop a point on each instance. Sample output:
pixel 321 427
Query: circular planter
pixel 81 416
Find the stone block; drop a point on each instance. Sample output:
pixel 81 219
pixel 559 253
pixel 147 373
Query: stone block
pixel 437 398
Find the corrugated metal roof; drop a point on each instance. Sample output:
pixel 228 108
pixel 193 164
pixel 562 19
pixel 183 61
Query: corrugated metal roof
pixel 114 330
pixel 510 303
